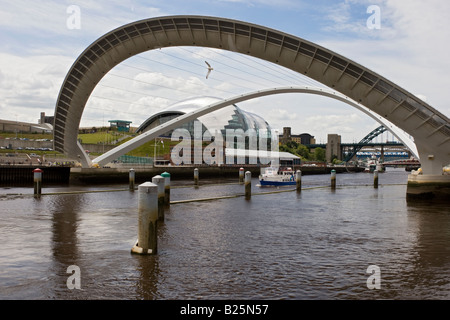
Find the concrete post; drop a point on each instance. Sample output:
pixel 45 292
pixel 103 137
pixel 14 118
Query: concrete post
pixel 298 180
pixel 37 178
pixel 375 178
pixel 131 179
pixel 159 181
pixel 241 175
pixel 196 176
pixel 166 176
pixel 333 179
pixel 147 219
pixel 248 185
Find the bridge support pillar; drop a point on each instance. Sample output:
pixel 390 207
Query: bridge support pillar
pixel 248 185
pixel 159 181
pixel 428 186
pixel 333 179
pixel 298 180
pixel 131 178
pixel 147 219
pixel 432 161
pixel 375 179
pixel 196 176
pixel 37 178
pixel 166 176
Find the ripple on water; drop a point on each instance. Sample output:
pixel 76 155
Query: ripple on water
pixel 313 245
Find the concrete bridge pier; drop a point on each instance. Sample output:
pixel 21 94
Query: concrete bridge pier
pixel 430 182
pixel 428 186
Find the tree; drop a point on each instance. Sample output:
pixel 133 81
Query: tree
pixel 292 144
pixel 336 161
pixel 303 152
pixel 333 158
pixel 284 148
pixel 319 154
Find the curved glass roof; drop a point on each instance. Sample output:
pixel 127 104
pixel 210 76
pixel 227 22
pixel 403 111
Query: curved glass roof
pixel 231 117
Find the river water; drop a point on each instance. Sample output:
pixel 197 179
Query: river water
pixel 314 245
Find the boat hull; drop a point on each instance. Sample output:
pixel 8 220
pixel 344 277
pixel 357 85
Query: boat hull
pixel 265 183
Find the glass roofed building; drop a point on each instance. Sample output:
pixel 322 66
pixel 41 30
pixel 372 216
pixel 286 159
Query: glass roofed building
pixel 252 140
pixel 234 130
pixel 231 117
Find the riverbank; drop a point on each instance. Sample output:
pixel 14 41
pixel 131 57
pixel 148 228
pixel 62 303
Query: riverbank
pixel 121 175
pixel 23 174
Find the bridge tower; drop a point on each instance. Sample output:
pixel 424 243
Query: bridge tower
pixel 333 147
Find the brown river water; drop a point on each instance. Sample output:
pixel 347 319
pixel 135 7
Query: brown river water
pixel 314 245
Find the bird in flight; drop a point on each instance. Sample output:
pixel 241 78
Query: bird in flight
pixel 209 69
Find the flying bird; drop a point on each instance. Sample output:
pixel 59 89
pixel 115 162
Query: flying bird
pixel 209 69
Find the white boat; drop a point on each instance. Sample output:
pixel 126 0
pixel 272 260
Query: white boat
pixel 374 164
pixel 274 177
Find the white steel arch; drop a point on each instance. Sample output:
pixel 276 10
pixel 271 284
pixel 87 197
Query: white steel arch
pixel 177 122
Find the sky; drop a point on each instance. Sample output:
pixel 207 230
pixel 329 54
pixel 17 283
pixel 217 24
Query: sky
pixel 40 40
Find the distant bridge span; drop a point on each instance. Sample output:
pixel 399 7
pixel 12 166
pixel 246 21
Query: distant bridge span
pixel 429 127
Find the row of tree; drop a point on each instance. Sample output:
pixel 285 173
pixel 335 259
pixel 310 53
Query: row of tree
pixel 303 152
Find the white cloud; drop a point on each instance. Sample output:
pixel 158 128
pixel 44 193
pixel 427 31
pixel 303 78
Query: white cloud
pixel 278 115
pixel 410 49
pixel 40 27
pixel 270 3
pixel 329 121
pixel 30 83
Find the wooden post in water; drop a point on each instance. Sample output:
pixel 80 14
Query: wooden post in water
pixel 248 185
pixel 131 179
pixel 196 176
pixel 375 178
pixel 298 180
pixel 333 179
pixel 241 175
pixel 37 178
pixel 166 176
pixel 159 181
pixel 147 219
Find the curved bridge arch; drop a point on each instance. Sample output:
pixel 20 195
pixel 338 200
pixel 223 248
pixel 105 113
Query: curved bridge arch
pixel 178 121
pixel 429 127
pixel 369 137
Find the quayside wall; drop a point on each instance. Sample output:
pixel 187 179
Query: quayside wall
pixel 23 175
pixel 121 175
pixel 12 175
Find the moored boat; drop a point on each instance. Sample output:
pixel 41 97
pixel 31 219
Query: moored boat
pixel 374 164
pixel 276 177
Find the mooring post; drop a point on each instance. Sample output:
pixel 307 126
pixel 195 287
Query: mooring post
pixel 375 178
pixel 147 219
pixel 159 181
pixel 196 176
pixel 37 178
pixel 131 176
pixel 333 179
pixel 241 175
pixel 298 180
pixel 166 176
pixel 248 185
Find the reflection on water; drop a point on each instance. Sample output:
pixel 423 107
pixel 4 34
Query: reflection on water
pixel 313 245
